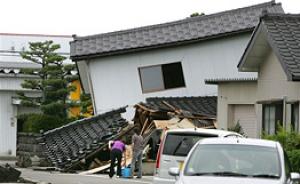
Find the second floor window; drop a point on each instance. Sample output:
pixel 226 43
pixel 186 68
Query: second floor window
pixel 161 77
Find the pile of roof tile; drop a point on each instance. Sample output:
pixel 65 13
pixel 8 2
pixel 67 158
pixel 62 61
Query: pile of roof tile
pixel 69 144
pixel 201 111
pixel 206 105
pixel 161 113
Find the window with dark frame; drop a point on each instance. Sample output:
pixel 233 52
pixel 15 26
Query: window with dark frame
pixel 161 77
pixel 272 117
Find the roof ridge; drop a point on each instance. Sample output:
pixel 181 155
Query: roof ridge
pixel 186 20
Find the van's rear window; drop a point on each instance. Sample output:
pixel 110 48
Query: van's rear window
pixel 181 144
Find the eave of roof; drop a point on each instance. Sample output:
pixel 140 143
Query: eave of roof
pixel 35 35
pixel 229 80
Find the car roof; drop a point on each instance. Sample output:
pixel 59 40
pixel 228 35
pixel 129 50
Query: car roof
pixel 220 133
pixel 240 141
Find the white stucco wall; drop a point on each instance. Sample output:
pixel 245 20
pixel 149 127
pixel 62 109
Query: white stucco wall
pixel 8 126
pixel 115 79
pixel 9 85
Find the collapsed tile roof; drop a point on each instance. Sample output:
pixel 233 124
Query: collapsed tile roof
pixel 184 31
pixel 206 105
pixel 70 143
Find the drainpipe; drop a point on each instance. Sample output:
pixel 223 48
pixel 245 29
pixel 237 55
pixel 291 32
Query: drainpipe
pixel 284 112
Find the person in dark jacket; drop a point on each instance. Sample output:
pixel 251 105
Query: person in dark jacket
pixel 117 148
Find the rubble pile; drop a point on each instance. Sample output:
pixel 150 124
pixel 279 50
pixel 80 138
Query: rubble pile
pixel 200 111
pixel 161 113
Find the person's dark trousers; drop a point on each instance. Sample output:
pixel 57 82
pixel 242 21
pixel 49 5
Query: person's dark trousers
pixel 115 154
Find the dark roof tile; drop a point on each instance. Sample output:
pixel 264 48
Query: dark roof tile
pixel 284 35
pixel 206 105
pixel 161 35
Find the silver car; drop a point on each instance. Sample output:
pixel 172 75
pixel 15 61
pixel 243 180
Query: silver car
pixel 235 161
pixel 175 146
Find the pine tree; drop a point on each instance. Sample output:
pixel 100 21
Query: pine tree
pixel 52 81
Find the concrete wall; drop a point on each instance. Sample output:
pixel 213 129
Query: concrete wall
pixel 30 152
pixel 115 80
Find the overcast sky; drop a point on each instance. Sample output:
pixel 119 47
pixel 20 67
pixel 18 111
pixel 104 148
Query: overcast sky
pixel 86 17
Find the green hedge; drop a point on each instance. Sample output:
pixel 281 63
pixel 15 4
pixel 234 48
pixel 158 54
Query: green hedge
pixel 37 122
pixel 290 140
pixel 294 156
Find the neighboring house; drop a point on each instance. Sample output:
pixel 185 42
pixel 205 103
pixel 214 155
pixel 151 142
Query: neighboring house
pixel 263 104
pixel 170 59
pixel 11 77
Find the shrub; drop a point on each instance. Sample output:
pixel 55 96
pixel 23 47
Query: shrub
pixel 294 157
pixel 237 128
pixel 290 140
pixel 37 122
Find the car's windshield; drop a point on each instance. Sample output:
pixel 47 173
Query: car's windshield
pixel 234 160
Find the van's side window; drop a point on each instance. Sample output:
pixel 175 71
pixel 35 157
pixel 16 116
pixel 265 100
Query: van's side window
pixel 180 144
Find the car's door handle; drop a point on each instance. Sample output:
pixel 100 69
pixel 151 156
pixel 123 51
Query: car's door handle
pixel 167 160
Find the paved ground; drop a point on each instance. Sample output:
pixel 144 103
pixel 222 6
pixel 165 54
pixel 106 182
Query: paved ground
pixel 61 178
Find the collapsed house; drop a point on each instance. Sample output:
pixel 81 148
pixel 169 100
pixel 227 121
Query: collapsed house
pixel 161 113
pixel 76 145
pixel 83 144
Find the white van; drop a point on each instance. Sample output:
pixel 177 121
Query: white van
pixel 175 146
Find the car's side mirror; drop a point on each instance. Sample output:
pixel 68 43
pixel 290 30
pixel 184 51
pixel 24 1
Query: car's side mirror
pixel 295 176
pixel 174 171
